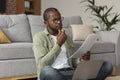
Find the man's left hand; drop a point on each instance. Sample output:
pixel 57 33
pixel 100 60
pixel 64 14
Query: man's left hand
pixel 85 56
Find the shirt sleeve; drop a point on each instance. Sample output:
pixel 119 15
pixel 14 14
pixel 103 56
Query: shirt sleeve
pixel 43 55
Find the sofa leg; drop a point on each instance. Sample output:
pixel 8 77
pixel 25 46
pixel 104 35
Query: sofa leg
pixel 114 71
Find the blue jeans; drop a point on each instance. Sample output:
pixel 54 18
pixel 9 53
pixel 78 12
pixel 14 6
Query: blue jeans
pixel 49 73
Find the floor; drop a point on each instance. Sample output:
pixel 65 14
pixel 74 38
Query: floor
pixel 113 78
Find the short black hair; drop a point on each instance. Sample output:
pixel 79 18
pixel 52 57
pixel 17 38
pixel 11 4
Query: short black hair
pixel 46 12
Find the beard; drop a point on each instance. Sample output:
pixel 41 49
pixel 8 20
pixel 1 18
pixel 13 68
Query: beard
pixel 56 29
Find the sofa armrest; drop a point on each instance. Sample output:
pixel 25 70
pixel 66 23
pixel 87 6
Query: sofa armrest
pixel 109 36
pixel 114 37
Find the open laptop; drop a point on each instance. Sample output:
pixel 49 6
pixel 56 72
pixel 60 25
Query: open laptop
pixel 87 70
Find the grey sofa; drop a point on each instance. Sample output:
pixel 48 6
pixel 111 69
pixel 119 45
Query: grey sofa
pixel 17 58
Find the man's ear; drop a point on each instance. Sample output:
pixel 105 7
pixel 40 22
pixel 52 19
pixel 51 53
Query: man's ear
pixel 45 22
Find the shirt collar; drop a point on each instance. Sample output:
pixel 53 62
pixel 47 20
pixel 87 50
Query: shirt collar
pixel 46 32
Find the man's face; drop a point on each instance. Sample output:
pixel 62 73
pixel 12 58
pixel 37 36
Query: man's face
pixel 54 22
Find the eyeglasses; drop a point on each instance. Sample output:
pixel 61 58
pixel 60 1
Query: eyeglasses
pixel 58 20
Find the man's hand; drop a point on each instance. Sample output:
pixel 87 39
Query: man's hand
pixel 61 37
pixel 85 56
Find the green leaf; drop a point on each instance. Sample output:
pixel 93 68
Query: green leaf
pixel 106 14
pixel 102 14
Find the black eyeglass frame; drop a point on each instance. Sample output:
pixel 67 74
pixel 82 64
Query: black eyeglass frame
pixel 58 20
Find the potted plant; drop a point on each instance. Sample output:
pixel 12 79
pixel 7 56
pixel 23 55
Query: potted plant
pixel 103 15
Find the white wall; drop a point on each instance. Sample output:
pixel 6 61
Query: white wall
pixel 74 7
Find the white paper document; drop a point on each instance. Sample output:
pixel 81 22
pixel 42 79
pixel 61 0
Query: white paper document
pixel 86 46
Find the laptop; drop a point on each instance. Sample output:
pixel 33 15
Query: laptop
pixel 87 70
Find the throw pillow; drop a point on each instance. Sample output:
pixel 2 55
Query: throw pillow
pixel 80 32
pixel 3 38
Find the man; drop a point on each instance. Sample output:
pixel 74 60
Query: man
pixel 52 47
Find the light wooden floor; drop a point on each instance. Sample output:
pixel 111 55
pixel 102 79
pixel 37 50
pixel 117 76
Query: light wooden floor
pixel 20 78
pixel 113 78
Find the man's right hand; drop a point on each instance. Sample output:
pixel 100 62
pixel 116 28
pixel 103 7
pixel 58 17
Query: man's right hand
pixel 61 37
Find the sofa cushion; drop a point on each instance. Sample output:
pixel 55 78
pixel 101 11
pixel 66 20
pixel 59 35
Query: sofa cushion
pixel 17 67
pixel 103 47
pixel 80 32
pixel 71 20
pixel 3 38
pixel 98 47
pixel 16 27
pixel 37 23
pixel 16 51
